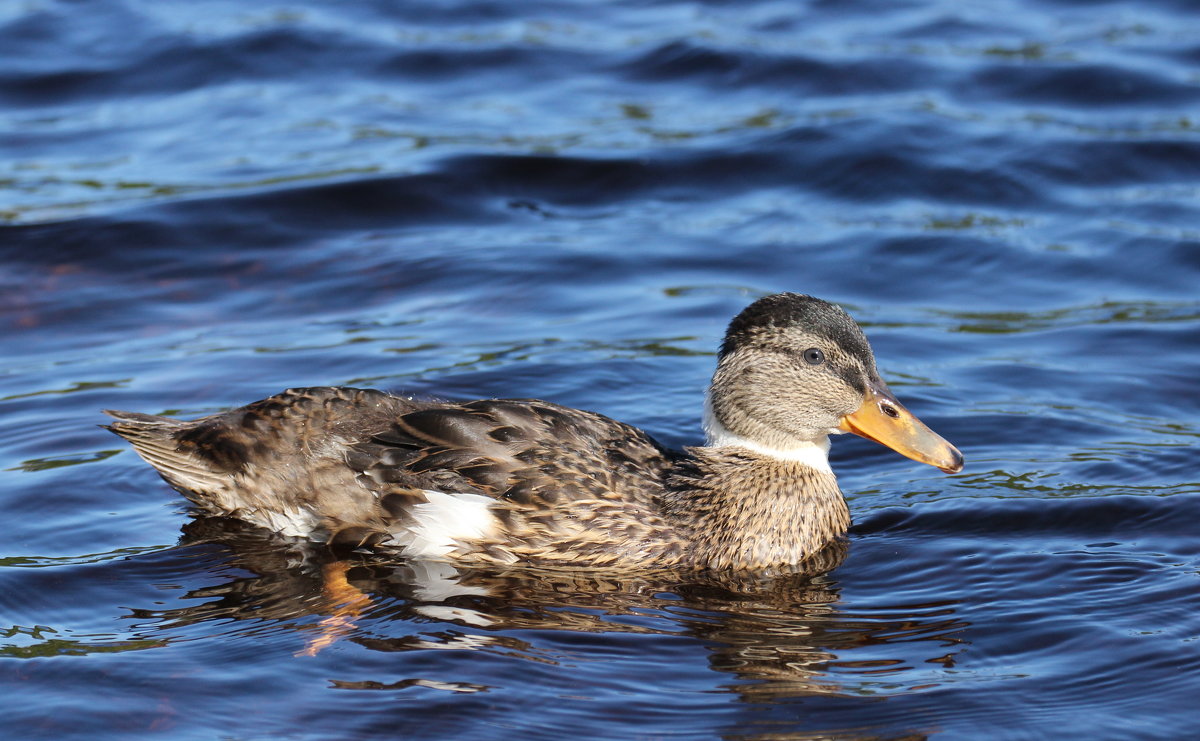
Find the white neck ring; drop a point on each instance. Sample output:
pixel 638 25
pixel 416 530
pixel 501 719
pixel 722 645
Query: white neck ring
pixel 811 453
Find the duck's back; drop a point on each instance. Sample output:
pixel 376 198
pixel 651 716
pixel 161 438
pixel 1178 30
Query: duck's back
pixel 495 480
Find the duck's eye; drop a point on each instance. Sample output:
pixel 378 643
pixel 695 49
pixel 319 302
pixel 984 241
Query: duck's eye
pixel 814 356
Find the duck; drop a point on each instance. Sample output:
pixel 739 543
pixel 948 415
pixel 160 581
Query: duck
pixel 504 482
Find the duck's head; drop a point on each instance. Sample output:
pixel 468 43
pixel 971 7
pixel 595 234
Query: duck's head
pixel 793 369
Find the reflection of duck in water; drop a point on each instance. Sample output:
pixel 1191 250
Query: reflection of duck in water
pixel 510 481
pixel 783 636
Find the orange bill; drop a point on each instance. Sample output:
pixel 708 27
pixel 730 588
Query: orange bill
pixel 883 419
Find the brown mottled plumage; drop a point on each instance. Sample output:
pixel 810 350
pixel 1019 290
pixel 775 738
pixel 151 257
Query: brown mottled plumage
pixel 503 481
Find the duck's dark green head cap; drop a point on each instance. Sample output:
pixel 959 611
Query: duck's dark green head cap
pixel 782 311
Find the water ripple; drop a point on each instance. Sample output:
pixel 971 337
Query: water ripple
pixel 203 204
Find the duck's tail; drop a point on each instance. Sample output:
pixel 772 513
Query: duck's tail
pixel 154 439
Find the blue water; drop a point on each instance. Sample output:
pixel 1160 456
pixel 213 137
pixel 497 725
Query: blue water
pixel 204 203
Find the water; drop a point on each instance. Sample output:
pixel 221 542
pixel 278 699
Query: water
pixel 204 203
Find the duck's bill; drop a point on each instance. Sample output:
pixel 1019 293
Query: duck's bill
pixel 883 419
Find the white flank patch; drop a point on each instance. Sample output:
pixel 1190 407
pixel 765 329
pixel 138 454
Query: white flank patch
pixel 293 523
pixel 811 453
pixel 445 521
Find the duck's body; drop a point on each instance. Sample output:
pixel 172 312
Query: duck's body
pixel 517 480
pixel 504 481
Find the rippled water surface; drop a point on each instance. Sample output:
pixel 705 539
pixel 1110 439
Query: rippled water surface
pixel 204 203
